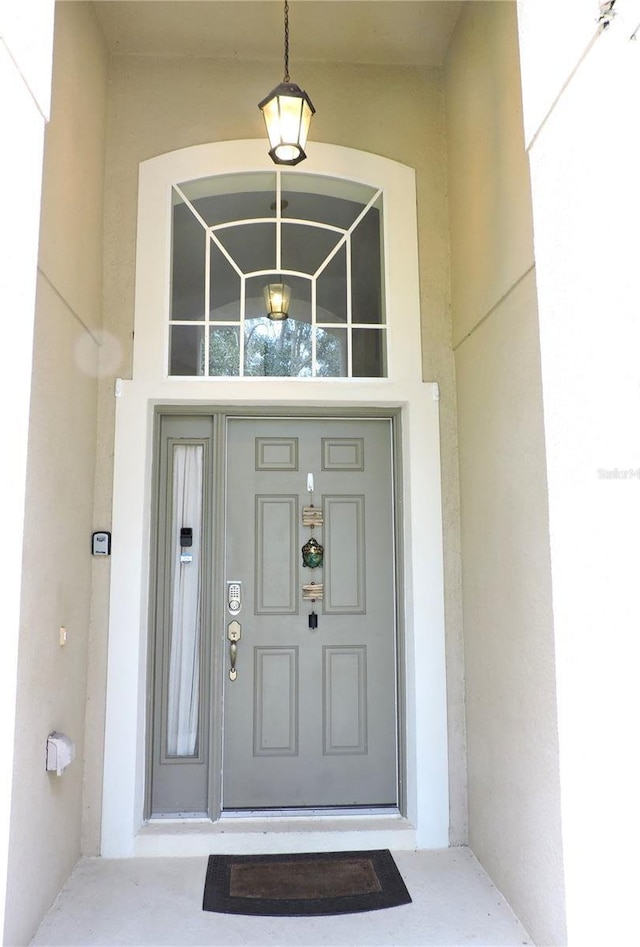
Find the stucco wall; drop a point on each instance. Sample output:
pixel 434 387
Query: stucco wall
pixel 513 766
pixel 46 809
pixel 25 68
pixel 156 106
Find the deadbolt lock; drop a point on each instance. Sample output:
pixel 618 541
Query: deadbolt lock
pixel 234 597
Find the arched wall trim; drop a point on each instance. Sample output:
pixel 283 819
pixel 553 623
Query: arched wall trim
pixel 424 704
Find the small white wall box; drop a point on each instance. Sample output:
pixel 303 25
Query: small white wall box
pixel 60 752
pixel 101 543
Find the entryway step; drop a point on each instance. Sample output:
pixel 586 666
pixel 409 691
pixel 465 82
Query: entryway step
pixel 270 836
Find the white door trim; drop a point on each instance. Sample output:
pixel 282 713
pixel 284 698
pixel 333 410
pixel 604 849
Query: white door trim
pixel 419 499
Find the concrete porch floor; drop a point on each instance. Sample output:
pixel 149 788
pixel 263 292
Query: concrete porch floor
pixel 158 901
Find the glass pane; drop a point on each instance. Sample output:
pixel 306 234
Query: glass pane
pixel 186 350
pixel 183 696
pixel 368 357
pixel 252 246
pixel 224 350
pixel 188 265
pixel 331 290
pixel 366 270
pixel 331 353
pixel 299 306
pixel 224 288
pixel 278 348
pixel 306 248
pixel 224 198
pixel 324 200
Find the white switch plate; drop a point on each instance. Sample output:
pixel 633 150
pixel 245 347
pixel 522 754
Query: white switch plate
pixel 63 636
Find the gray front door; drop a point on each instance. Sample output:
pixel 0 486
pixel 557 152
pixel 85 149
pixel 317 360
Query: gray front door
pixel 309 712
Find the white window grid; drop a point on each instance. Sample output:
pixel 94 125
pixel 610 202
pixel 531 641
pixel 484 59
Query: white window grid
pixel 344 241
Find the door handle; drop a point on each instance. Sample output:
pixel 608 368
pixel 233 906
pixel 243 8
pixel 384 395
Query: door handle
pixel 234 631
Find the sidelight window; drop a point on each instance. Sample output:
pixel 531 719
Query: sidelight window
pixel 183 697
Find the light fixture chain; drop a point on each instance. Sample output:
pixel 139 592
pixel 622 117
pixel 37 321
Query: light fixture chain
pixel 286 40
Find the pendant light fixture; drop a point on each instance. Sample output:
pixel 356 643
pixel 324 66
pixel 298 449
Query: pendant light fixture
pixel 277 297
pixel 287 112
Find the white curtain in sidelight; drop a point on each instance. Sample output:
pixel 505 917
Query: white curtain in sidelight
pixel 184 660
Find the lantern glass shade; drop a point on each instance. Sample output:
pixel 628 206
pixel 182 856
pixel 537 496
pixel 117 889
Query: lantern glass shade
pixel 287 112
pixel 277 297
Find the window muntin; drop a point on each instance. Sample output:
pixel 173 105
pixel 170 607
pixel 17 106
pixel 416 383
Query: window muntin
pixel 233 234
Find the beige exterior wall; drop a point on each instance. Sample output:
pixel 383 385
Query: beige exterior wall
pixel 46 809
pixel 157 106
pixel 513 766
pixel 26 40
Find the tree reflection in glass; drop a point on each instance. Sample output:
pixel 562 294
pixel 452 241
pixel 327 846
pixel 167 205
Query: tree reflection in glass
pixel 285 349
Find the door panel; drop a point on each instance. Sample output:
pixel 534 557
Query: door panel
pixel 275 704
pixel 310 718
pixel 179 750
pixel 345 574
pixel 276 555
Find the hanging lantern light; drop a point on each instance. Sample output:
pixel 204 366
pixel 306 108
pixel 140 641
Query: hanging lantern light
pixel 277 297
pixel 287 112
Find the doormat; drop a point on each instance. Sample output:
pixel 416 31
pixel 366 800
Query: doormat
pixel 303 885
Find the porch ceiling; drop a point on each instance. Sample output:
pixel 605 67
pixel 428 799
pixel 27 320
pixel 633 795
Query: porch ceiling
pixel 383 32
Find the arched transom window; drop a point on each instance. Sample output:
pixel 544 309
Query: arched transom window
pixel 234 234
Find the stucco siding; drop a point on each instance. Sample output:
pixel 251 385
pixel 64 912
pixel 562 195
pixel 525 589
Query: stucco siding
pixel 56 568
pixel 512 737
